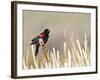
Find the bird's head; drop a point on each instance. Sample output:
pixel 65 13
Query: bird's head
pixel 47 31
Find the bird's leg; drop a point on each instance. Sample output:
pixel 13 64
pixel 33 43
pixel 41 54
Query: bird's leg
pixel 44 46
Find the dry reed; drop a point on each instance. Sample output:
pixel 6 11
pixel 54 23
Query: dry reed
pixel 72 57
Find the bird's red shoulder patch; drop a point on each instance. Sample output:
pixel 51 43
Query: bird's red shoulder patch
pixel 33 35
pixel 42 35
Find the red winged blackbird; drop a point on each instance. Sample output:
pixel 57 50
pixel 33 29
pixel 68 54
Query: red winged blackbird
pixel 40 40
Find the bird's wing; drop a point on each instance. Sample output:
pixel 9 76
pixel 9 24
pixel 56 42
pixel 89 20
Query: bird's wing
pixel 35 40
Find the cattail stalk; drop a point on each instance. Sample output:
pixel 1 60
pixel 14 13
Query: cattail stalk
pixel 58 61
pixel 72 57
pixel 81 54
pixel 27 55
pixel 33 54
pixel 69 58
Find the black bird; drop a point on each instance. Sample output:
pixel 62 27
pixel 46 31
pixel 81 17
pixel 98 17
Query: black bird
pixel 40 40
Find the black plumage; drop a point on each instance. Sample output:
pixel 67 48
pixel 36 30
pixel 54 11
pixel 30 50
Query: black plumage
pixel 40 40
